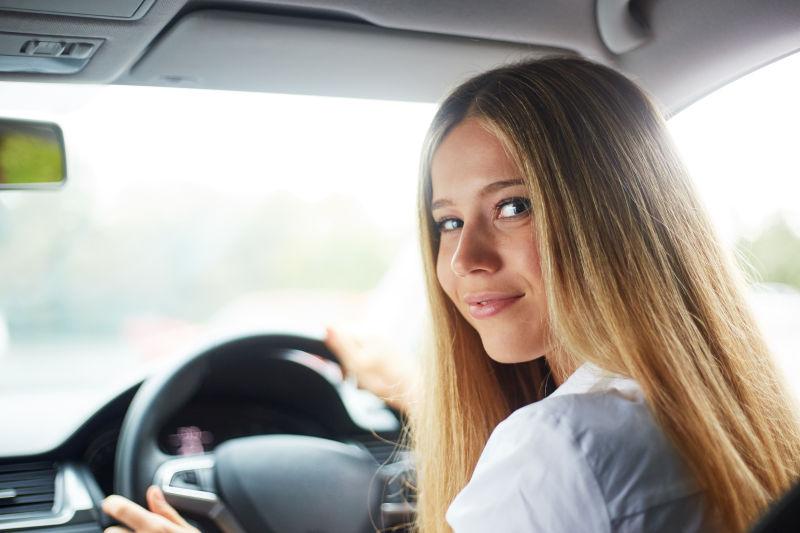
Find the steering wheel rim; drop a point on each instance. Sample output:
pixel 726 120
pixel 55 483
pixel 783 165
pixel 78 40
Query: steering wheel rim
pixel 139 460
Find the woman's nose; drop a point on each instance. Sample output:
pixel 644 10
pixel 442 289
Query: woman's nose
pixel 475 252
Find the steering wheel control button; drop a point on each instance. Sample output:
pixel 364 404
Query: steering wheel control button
pixel 185 480
pixel 188 485
pixel 199 479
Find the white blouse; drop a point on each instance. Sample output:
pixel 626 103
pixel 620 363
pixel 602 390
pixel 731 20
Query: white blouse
pixel 588 458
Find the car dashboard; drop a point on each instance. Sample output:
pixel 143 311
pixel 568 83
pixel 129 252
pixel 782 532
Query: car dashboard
pixel 61 490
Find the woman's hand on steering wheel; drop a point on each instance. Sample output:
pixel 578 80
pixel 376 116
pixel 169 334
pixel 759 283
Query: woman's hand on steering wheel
pixel 376 367
pixel 161 518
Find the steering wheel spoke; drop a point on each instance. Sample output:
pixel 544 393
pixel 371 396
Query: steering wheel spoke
pixel 188 485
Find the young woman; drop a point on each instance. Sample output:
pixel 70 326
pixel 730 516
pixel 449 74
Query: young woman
pixel 596 367
pixel 560 231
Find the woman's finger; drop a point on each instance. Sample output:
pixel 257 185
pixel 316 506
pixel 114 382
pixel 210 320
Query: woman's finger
pixel 135 516
pixel 116 529
pixel 158 504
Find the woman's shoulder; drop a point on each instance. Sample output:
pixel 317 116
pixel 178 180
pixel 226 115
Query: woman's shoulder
pixel 592 446
pixel 610 428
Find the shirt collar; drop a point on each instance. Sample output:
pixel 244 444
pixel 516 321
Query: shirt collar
pixel 591 378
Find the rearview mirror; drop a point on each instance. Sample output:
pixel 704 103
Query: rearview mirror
pixel 32 155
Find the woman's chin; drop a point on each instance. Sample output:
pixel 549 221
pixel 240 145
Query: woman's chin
pixel 506 356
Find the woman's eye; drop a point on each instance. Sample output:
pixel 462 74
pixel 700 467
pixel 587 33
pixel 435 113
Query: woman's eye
pixel 513 207
pixel 449 224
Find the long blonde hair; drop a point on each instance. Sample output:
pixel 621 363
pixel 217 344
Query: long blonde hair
pixel 636 283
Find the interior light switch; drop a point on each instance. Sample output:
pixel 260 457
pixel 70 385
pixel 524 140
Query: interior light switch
pixel 28 47
pixel 43 48
pixel 45 54
pixel 79 50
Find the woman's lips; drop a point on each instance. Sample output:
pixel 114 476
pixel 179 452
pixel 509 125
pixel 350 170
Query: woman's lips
pixel 485 307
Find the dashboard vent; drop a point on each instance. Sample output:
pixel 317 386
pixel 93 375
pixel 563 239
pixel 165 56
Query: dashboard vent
pixel 27 487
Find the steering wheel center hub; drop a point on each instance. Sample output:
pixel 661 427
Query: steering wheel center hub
pixel 289 483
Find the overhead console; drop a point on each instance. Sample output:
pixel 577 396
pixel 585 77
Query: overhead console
pixel 92 41
pixel 45 54
pixel 59 54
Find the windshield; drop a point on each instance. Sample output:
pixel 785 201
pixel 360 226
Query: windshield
pixel 190 215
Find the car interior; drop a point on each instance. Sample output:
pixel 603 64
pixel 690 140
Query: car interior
pixel 295 449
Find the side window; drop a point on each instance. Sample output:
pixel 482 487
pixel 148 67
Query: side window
pixel 741 145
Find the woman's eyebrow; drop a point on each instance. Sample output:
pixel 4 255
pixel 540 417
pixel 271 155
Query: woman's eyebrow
pixel 497 185
pixel 488 189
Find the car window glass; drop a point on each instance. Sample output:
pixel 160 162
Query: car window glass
pixel 741 146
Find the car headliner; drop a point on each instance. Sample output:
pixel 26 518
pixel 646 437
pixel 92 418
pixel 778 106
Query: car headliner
pixel 413 50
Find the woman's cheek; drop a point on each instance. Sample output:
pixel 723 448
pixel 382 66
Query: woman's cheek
pixel 444 273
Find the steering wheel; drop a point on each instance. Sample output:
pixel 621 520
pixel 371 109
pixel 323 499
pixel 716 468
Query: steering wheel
pixel 271 483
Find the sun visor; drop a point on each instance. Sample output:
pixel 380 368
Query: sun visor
pixel 105 9
pixel 256 52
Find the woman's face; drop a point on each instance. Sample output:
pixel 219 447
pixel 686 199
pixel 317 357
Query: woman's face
pixel 488 262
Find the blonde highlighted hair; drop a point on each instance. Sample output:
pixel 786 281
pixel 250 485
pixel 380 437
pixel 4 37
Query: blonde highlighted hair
pixel 636 283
